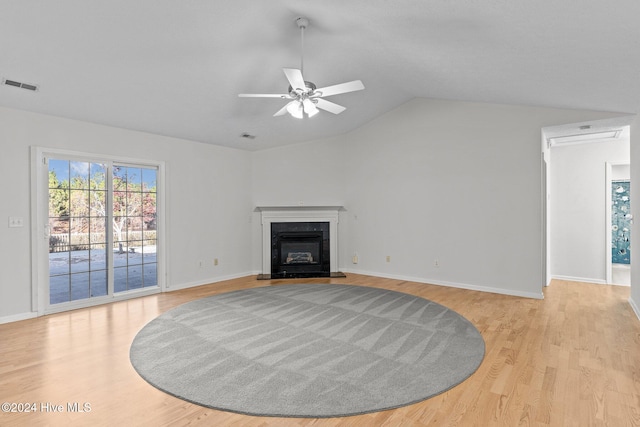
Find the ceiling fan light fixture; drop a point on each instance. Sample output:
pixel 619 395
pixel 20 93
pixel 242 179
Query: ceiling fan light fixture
pixel 309 107
pixel 295 109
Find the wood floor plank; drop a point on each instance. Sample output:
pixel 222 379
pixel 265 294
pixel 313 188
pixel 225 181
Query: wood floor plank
pixel 570 359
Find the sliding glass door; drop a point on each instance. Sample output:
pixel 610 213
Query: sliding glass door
pixel 102 229
pixel 134 228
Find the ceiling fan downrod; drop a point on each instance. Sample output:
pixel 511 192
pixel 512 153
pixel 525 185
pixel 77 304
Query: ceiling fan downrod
pixel 302 24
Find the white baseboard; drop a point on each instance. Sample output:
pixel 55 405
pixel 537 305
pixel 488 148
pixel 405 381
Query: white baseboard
pixel 579 279
pixel 208 281
pixel 18 317
pixel 31 315
pixel 635 307
pixel 511 292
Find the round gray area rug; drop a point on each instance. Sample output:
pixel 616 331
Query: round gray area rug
pixel 307 350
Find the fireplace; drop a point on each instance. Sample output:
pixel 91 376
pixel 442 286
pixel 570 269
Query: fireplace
pixel 299 241
pixel 300 249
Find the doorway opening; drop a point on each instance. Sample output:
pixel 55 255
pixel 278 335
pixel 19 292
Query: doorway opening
pixel 582 161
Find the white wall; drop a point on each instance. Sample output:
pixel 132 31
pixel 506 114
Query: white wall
pixel 621 172
pixel 208 199
pixel 578 208
pixel 312 174
pixel 456 182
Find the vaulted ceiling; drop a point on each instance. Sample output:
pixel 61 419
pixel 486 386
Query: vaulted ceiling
pixel 175 68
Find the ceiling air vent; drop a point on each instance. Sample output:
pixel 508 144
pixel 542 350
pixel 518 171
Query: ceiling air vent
pixel 21 85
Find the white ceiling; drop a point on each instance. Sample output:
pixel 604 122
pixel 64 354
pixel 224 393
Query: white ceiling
pixel 175 68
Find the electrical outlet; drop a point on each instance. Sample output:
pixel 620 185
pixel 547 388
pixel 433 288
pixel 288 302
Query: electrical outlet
pixel 200 263
pixel 16 221
pixel 354 259
pixel 436 263
pixel 388 258
pixel 215 261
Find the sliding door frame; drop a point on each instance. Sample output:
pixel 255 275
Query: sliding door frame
pixel 40 234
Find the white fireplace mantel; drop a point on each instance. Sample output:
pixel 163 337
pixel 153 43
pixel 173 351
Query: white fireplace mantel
pixel 302 213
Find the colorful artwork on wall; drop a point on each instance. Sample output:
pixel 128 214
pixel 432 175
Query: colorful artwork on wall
pixel 620 223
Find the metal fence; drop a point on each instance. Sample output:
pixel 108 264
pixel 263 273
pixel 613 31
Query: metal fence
pixel 83 241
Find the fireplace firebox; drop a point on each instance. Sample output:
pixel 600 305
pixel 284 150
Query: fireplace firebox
pixel 300 249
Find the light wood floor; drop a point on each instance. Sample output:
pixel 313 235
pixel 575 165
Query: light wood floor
pixel 572 359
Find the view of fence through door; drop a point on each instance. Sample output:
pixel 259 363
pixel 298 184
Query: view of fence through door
pixel 102 229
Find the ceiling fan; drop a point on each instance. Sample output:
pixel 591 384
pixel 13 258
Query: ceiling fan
pixel 304 97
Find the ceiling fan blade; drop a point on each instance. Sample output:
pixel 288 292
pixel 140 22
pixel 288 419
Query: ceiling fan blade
pixel 341 88
pixel 295 78
pixel 329 106
pixel 262 95
pixel 283 110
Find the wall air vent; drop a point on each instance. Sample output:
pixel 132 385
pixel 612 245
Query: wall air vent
pixel 584 137
pixel 26 86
